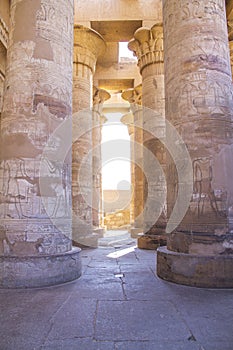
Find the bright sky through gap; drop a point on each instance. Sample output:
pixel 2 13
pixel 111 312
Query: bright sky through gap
pixel 116 169
pixel 124 52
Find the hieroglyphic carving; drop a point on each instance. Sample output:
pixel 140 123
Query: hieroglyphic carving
pixel 207 199
pixel 37 100
pixel 199 104
pixel 4 33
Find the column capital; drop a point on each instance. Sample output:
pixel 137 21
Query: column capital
pixel 103 119
pixel 128 120
pixel 147 45
pixel 134 97
pixel 99 97
pixel 88 46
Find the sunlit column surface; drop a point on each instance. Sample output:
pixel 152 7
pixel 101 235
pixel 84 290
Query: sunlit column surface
pixel 199 104
pixel 99 97
pixel 35 177
pixel 88 45
pixel 147 45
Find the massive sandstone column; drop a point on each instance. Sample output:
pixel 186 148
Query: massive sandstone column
pixel 147 45
pixel 128 120
pixel 35 176
pixel 88 45
pixel 134 97
pixel 99 97
pixel 4 34
pixel 199 105
pixel 230 36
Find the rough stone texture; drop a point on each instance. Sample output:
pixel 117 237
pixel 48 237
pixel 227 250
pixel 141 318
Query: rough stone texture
pixel 195 270
pixel 147 45
pixel 2 71
pixel 128 120
pixel 88 45
pixel 199 104
pixel 99 97
pixel 102 311
pixel 37 271
pixel 35 177
pixel 105 10
pixel 4 37
pixel 134 97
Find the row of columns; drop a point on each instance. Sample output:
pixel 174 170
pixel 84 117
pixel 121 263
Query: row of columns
pixel 36 162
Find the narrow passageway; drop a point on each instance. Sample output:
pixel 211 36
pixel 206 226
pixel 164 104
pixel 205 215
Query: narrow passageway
pixel 118 304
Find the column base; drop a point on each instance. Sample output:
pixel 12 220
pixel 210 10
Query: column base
pixel 86 241
pixel 99 232
pixel 151 242
pixel 136 232
pixel 195 270
pixel 39 271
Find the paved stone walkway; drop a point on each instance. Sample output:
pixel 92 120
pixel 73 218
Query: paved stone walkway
pixel 118 304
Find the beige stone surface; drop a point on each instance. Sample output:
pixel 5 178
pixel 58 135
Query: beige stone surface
pixel 95 10
pixel 199 104
pixel 88 45
pixel 134 97
pixel 35 173
pixel 99 97
pixel 147 45
pixel 35 204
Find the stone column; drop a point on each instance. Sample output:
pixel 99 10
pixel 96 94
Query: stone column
pixel 128 120
pixel 4 37
pixel 103 120
pixel 99 97
pixel 230 36
pixel 134 97
pixel 199 105
pixel 88 45
pixel 2 72
pixel 35 177
pixel 147 45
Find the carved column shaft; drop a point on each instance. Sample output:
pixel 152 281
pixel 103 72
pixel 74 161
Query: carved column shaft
pixel 35 178
pixel 199 105
pixel 88 45
pixel 2 71
pixel 230 36
pixel 148 47
pixel 134 97
pixel 128 120
pixel 99 96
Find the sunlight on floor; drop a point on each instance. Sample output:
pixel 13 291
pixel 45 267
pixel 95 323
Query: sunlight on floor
pixel 121 252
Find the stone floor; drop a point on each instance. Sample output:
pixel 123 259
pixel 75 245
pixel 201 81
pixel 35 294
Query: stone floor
pixel 118 304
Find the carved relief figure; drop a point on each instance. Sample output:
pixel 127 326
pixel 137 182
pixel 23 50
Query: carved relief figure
pixel 204 193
